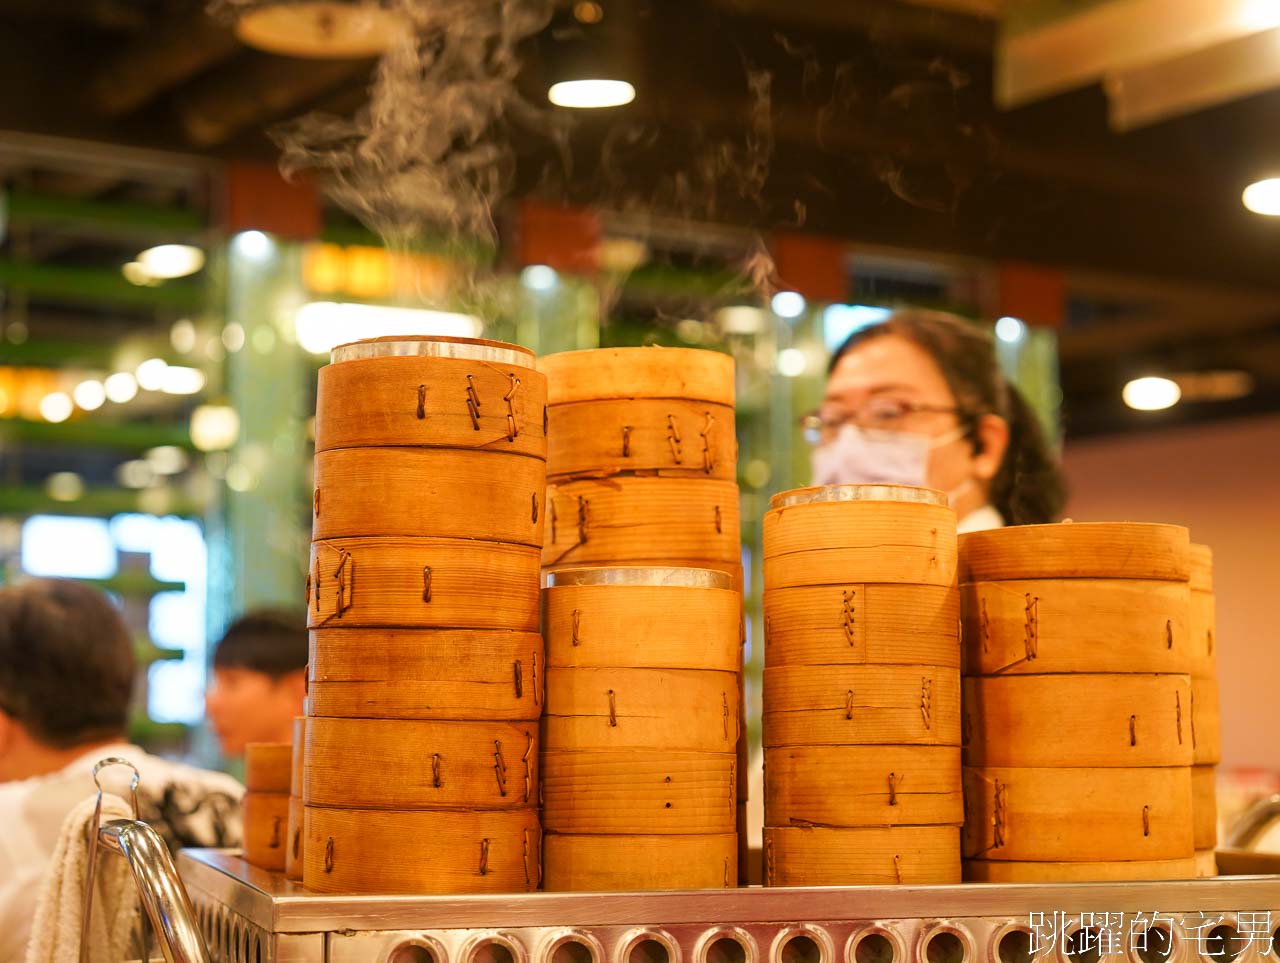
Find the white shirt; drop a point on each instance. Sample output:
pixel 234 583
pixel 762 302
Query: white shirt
pixel 980 520
pixel 185 805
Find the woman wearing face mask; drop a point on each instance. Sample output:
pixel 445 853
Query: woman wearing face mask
pixel 919 400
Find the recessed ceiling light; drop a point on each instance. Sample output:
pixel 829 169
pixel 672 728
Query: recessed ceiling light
pixel 1263 197
pixel 171 260
pixel 1151 394
pixel 592 93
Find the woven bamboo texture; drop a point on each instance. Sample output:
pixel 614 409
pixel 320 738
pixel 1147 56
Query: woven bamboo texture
pixel 1004 871
pixel 660 709
pixel 666 436
pixel 632 519
pixel 429 493
pixel 900 855
pixel 266 828
pixel 851 786
pixel 1077 815
pixel 642 626
pixel 590 863
pixel 428 401
pixel 426 674
pixel 1074 550
pixel 422 583
pixel 1125 721
pixel 421 851
pixel 860 623
pixel 293 840
pixel 417 764
pixel 1046 626
pixel 268 766
pixel 1204 806
pixel 650 372
pixel 1206 720
pixel 861 705
pixel 642 793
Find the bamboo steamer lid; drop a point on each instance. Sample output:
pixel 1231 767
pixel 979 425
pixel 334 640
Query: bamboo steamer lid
pixel 438 392
pixel 268 766
pixel 421 764
pixel 1005 871
pixel 266 828
pixel 1076 550
pixel 628 616
pixel 596 374
pixel 1045 626
pixel 296 753
pixel 1077 815
pixel 859 533
pixel 1204 806
pixel 881 856
pixel 642 793
pixel 859 623
pixel 422 583
pixel 1206 864
pixel 903 705
pixel 426 851
pixel 293 840
pixel 1206 722
pixel 429 493
pixel 851 786
pixel 630 519
pixel 662 709
pixel 602 864
pixel 1126 721
pixel 426 674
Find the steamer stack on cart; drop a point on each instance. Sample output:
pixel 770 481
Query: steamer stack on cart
pixel 642 468
pixel 427 666
pixel 1206 736
pixel 861 688
pixel 267 769
pixel 1078 715
pixel 293 842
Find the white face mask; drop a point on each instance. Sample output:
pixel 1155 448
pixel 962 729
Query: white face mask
pixel 864 456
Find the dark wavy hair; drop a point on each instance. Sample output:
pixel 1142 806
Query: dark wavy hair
pixel 1028 487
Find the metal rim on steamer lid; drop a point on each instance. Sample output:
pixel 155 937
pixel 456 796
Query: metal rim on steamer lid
pixel 431 346
pixel 859 493
pixel 640 575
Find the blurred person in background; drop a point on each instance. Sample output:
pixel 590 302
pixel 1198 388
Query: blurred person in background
pixel 67 675
pixel 259 680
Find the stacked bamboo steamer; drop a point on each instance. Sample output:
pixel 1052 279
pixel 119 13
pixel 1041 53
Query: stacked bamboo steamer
pixel 642 468
pixel 861 688
pixel 640 729
pixel 1077 703
pixel 293 843
pixel 426 667
pixel 267 771
pixel 1206 732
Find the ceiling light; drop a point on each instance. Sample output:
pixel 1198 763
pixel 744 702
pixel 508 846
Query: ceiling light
pixel 1263 197
pixel 791 362
pixel 1151 394
pixel 167 459
pixel 214 427
pixel 321 29
pixel 740 319
pixel 589 94
pixel 121 387
pixel 150 374
pixel 90 395
pixel 1010 330
pixel 135 272
pixel 788 304
pixel 56 407
pixel 183 336
pixel 64 486
pixel 177 380
pixel 233 337
pixel 135 474
pixel 171 260
pixel 539 277
pixel 253 245
pixel 323 325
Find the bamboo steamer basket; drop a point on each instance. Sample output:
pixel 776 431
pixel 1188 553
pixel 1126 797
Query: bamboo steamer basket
pixel 859 533
pixel 1203 613
pixel 1206 722
pixel 266 828
pixel 296 768
pixel 639 793
pixel 1045 626
pixel 660 709
pixel 851 786
pixel 901 705
pixel 422 851
pixel 437 392
pixel 1204 806
pixel 417 764
pixel 1077 815
pixel 1206 864
pixel 426 674
pixel 859 623
pixel 1137 550
pixel 629 519
pixel 1004 871
pixel 882 856
pixel 429 493
pixel 602 864
pixel 422 583
pixel 268 767
pixel 293 844
pixel 659 618
pixel 1078 721
pixel 599 374
pixel 667 436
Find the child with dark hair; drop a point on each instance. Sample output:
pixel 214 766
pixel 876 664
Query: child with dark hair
pixel 258 679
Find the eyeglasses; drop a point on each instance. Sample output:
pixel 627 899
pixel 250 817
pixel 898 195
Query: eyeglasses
pixel 878 414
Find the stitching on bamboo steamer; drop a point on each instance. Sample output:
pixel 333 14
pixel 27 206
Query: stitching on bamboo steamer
pixel 597 374
pixel 1046 626
pixel 878 856
pixel 293 845
pixel 433 402
pixel 1007 871
pixel 1135 550
pixel 268 766
pixel 266 820
pixel 1204 806
pixel 427 851
pixel 1206 721
pixel 606 863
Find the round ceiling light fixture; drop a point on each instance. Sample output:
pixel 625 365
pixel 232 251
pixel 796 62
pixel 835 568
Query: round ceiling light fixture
pixel 167 261
pixel 1151 393
pixel 322 29
pixel 591 94
pixel 1263 197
